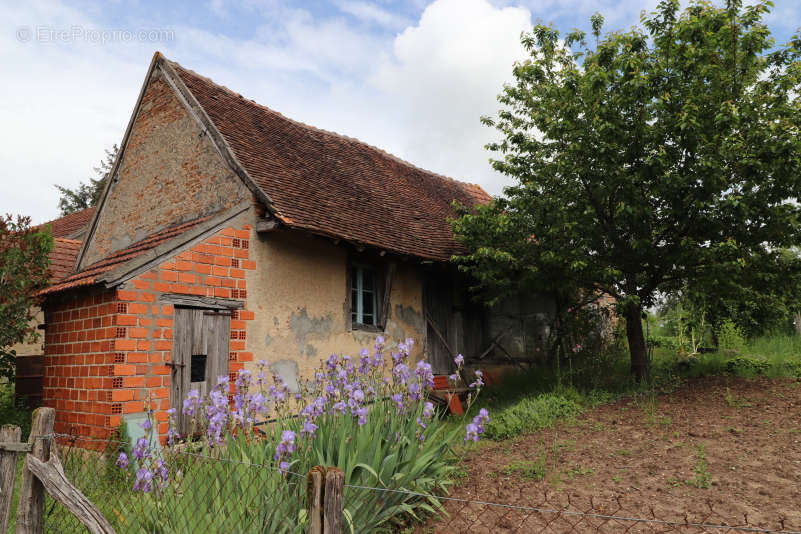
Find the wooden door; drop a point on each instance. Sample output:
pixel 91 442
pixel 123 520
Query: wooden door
pixel 199 355
pixel 437 306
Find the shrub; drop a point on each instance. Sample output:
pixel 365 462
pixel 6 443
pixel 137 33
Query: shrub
pixel 532 413
pixel 747 366
pixel 730 336
pixel 369 417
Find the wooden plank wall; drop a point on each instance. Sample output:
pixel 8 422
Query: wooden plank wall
pixel 29 377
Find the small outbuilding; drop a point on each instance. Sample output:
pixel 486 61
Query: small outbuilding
pixel 228 233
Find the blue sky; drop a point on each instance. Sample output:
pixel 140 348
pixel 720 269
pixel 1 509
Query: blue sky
pixel 411 77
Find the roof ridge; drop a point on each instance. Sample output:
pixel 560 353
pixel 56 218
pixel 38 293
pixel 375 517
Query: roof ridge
pixel 348 138
pixel 67 240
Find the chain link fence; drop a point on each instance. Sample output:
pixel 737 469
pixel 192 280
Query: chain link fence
pixel 203 493
pixel 198 493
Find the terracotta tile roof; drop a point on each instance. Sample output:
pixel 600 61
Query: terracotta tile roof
pixel 68 225
pixel 335 185
pixel 90 274
pixel 62 258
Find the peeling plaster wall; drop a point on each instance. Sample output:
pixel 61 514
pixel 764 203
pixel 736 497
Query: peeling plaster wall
pixel 298 292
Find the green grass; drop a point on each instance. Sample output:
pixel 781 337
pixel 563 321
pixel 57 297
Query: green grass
pixel 12 413
pixel 539 398
pixel 770 356
pixel 531 469
pixel 702 478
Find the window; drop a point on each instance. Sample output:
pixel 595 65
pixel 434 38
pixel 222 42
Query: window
pixel 363 295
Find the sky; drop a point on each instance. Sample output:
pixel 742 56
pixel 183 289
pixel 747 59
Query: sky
pixel 412 77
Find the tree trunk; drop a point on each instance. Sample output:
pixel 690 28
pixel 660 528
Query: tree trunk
pixel 637 348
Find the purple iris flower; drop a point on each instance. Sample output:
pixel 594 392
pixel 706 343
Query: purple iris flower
pixel 140 449
pixel 479 380
pixel 361 415
pixel 143 480
pixel 309 429
pixel 401 373
pixel 397 398
pixel 471 432
pixel 122 461
pixel 338 407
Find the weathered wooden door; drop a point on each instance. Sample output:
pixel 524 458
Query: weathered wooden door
pixel 199 355
pixel 438 310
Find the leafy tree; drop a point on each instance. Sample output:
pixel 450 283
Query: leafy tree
pixel 23 271
pixel 87 194
pixel 759 294
pixel 643 161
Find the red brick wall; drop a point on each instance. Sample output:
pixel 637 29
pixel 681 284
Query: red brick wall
pixel 106 351
pixel 79 354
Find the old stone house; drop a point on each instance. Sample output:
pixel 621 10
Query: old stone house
pixel 230 233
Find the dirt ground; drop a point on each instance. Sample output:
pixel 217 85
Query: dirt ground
pixel 717 451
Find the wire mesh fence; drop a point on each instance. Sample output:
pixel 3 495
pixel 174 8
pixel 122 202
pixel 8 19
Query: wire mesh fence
pixel 195 493
pixel 560 513
pixel 201 492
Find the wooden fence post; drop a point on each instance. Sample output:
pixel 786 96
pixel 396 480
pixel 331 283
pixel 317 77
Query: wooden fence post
pixel 332 500
pixel 8 471
pixel 315 479
pixel 52 476
pixel 31 492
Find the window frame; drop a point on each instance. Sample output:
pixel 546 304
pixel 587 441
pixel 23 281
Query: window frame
pixel 356 308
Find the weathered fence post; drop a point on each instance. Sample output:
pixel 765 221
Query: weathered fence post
pixel 315 479
pixel 8 471
pixel 52 476
pixel 332 500
pixel 31 491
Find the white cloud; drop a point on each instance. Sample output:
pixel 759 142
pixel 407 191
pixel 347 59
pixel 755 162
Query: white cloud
pixel 372 13
pixel 61 104
pixel 418 94
pixel 445 74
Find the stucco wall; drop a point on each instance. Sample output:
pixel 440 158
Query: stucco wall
pixel 298 295
pixel 170 173
pixel 35 348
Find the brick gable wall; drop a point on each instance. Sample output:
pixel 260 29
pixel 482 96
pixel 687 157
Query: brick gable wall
pixel 170 173
pixel 107 349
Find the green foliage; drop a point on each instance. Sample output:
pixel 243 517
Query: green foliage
pixel 384 452
pixel 701 470
pixel 12 412
pixel 87 194
pixel 642 162
pixel 118 443
pixel 531 414
pixel 387 436
pixel 759 293
pixel 730 336
pixel 23 271
pixel 532 469
pixel 531 400
pixel 746 366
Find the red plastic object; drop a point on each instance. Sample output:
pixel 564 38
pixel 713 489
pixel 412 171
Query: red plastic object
pixel 440 382
pixel 454 404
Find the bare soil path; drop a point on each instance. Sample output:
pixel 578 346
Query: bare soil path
pixel 717 451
